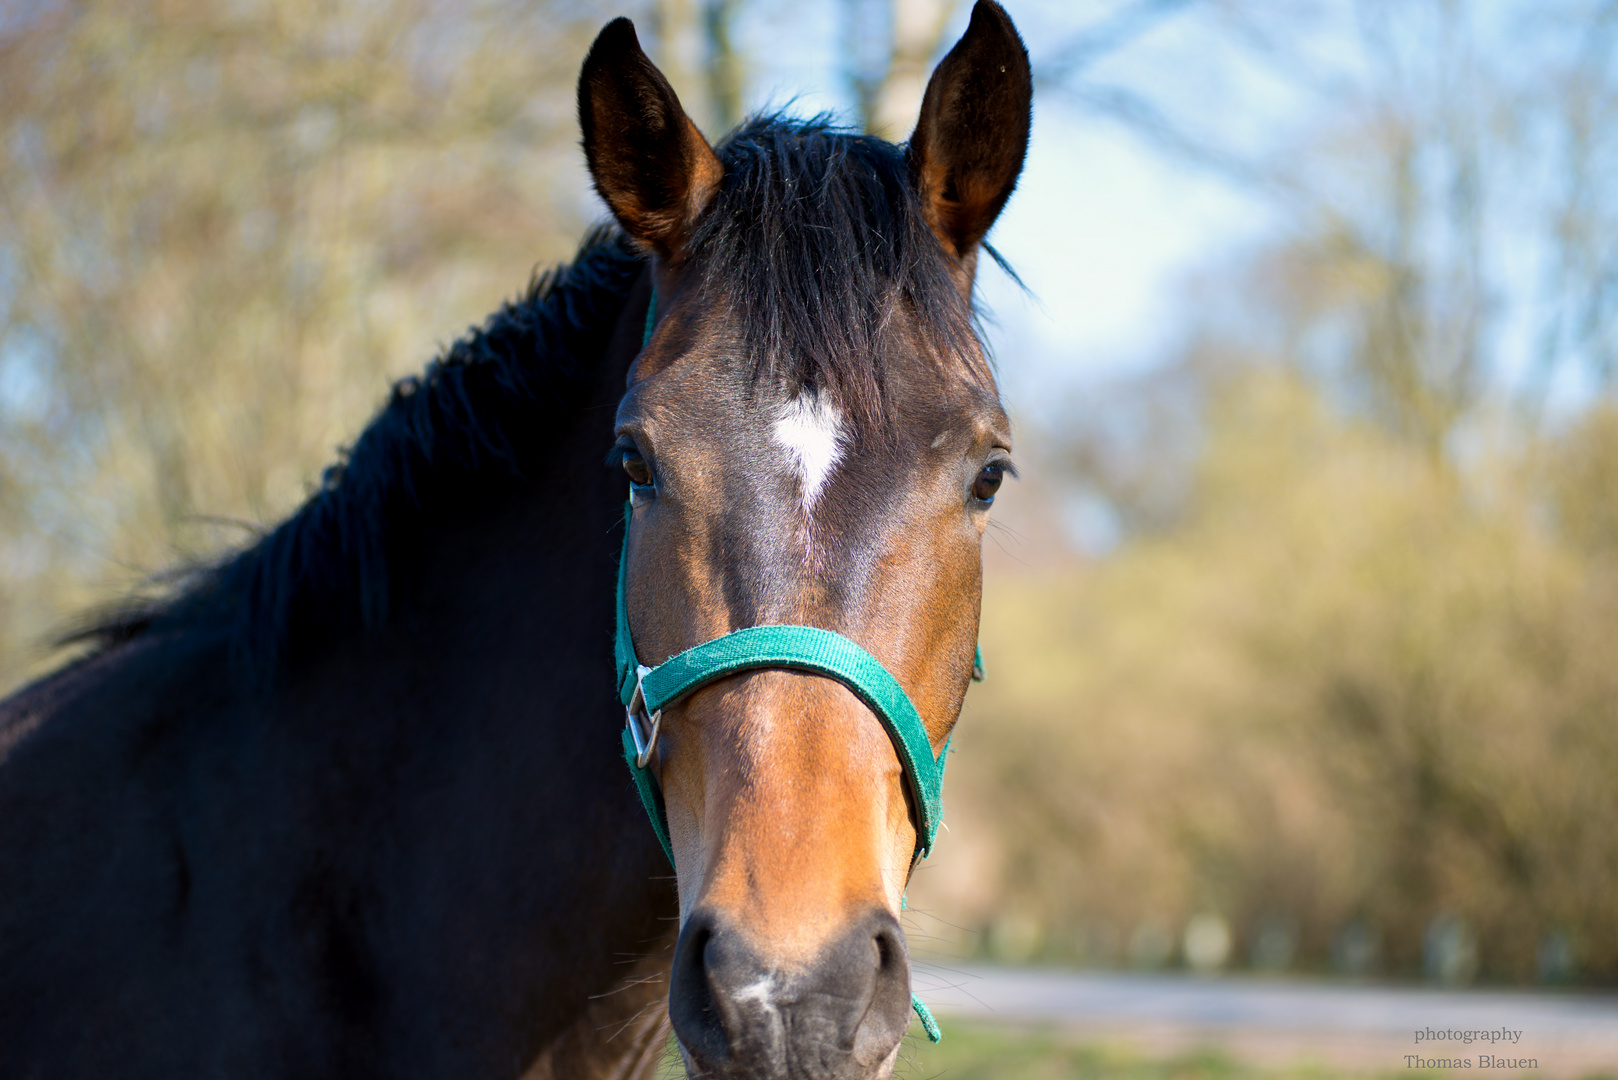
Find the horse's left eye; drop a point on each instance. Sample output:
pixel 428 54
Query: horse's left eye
pixel 988 482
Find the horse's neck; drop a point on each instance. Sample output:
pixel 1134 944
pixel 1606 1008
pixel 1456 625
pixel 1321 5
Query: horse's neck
pixel 418 853
pixel 482 753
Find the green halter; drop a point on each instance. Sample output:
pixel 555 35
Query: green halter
pixel 645 691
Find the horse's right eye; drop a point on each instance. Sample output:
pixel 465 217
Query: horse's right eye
pixel 635 466
pixel 641 487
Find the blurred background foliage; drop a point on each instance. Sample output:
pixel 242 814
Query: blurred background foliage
pixel 222 227
pixel 1300 637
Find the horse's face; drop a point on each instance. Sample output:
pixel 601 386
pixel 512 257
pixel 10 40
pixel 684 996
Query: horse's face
pixel 784 472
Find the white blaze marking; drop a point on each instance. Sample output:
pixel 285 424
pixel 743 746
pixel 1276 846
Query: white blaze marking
pixel 811 430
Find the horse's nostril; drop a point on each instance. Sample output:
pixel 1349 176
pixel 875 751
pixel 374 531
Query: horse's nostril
pixel 691 1001
pixel 887 1012
pixel 886 950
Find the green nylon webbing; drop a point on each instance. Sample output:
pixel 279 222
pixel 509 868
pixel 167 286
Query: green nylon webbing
pixel 809 648
pixel 651 317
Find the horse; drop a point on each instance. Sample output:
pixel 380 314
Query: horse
pixel 350 802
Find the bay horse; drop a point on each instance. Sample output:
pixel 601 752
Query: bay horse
pixel 351 803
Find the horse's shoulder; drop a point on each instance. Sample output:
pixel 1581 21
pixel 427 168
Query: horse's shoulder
pixel 75 833
pixel 60 693
pixel 98 701
pixel 91 760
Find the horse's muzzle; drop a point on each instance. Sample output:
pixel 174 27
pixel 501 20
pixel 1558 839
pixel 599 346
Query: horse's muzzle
pixel 839 1017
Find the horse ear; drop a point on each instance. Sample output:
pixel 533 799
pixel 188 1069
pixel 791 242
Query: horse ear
pixel 648 160
pixel 970 141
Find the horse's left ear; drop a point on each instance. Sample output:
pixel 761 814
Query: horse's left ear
pixel 648 160
pixel 972 136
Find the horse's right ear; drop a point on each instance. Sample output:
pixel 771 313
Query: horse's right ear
pixel 648 160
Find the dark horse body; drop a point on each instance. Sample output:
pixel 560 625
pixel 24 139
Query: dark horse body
pixel 351 804
pixel 410 853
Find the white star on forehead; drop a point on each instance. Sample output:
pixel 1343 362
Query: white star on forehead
pixel 810 429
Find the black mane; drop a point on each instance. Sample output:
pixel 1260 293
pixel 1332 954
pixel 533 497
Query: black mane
pixel 799 198
pixel 479 411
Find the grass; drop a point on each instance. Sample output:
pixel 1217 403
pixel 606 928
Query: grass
pixel 995 1052
pixel 983 1052
pixel 990 1053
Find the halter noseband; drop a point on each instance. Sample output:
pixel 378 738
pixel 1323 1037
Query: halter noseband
pixel 644 692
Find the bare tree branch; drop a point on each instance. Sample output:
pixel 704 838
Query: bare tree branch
pixel 1108 35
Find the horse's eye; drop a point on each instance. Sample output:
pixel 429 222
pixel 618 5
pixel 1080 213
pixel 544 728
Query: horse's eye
pixel 635 465
pixel 988 482
pixel 640 477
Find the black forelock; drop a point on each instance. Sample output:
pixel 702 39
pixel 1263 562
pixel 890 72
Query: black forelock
pixel 816 240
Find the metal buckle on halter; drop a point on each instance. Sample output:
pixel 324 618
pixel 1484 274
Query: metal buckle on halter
pixel 643 745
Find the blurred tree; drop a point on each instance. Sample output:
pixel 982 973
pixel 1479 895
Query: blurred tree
pixel 695 46
pixel 1441 164
pixel 891 46
pixel 724 64
pixel 222 229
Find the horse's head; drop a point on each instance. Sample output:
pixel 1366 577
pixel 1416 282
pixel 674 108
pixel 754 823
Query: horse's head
pixel 812 436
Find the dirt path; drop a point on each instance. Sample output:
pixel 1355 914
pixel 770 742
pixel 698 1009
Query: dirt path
pixel 1278 1021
